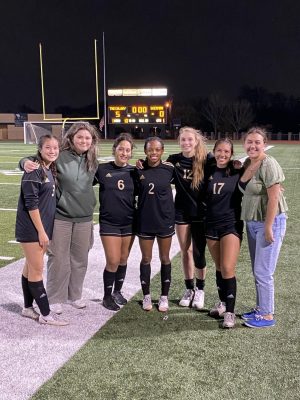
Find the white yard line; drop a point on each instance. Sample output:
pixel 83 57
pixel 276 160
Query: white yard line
pixel 11 172
pixel 42 350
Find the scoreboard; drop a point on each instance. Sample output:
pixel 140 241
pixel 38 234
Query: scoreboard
pixel 137 114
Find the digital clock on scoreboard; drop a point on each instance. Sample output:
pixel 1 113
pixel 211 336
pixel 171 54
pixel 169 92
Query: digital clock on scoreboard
pixel 137 114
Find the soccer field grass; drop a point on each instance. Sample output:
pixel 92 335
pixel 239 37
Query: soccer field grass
pixel 139 355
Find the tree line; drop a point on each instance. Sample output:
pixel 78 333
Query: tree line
pixel 275 111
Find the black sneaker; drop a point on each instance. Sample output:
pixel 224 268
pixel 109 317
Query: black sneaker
pixel 119 298
pixel 109 303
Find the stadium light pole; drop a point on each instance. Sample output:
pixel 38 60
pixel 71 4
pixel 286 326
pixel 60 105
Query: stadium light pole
pixel 104 87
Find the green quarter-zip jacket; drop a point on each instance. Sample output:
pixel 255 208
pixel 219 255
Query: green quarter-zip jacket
pixel 75 194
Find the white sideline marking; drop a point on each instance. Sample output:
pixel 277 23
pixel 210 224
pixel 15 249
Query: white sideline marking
pixel 11 172
pixel 6 258
pixel 9 183
pixel 12 150
pixel 108 158
pixel 8 209
pixel 13 242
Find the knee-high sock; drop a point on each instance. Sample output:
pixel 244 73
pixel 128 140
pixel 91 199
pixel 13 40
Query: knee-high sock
pixel 120 277
pixel 165 274
pixel 108 280
pixel 28 298
pixel 145 274
pixel 40 296
pixel 220 286
pixel 230 293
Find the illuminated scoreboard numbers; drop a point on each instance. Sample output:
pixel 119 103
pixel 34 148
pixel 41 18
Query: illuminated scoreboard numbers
pixel 138 110
pixel 158 113
pixel 137 114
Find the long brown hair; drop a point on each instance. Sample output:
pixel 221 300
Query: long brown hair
pixel 91 154
pixel 200 155
pixel 228 141
pixel 39 158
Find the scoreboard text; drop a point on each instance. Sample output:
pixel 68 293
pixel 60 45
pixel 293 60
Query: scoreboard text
pixel 137 114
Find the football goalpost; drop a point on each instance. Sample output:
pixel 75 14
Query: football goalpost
pixel 56 126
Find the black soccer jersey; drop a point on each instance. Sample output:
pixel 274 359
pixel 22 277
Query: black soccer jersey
pixel 36 193
pixel 116 194
pixel 187 199
pixel 155 199
pixel 223 197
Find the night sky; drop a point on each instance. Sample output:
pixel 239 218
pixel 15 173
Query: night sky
pixel 194 47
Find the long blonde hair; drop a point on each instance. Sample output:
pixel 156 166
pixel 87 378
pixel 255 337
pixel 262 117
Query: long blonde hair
pixel 91 154
pixel 200 155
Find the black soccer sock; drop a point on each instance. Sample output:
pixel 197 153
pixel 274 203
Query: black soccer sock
pixel 28 298
pixel 165 275
pixel 108 280
pixel 200 284
pixel 145 274
pixel 230 293
pixel 120 277
pixel 39 294
pixel 220 286
pixel 189 283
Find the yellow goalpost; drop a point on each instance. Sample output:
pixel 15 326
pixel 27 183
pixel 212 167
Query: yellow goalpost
pixel 64 120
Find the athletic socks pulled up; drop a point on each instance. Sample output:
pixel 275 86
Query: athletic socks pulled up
pixel 220 286
pixel 108 280
pixel 39 294
pixel 165 274
pixel 230 293
pixel 145 274
pixel 28 298
pixel 120 277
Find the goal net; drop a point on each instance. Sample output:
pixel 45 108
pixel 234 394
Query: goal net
pixel 34 130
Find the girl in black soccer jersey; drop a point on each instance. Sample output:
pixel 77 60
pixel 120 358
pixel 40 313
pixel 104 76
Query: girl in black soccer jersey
pixel 34 225
pixel 224 227
pixel 189 209
pixel 117 209
pixel 155 218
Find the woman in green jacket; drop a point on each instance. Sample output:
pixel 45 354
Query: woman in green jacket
pixel 73 225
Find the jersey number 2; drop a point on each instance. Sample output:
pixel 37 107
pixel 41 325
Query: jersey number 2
pixel 151 190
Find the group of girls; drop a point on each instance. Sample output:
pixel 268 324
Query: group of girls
pixel 207 209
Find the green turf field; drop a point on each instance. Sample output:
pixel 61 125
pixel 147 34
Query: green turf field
pixel 139 355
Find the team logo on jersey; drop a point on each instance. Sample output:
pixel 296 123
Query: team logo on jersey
pixel 177 164
pixel 108 175
pixel 142 177
pixel 211 178
pixel 167 163
pixel 46 180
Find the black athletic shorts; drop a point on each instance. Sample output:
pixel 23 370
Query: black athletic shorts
pixel 216 233
pixel 163 234
pixel 112 230
pixel 182 218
